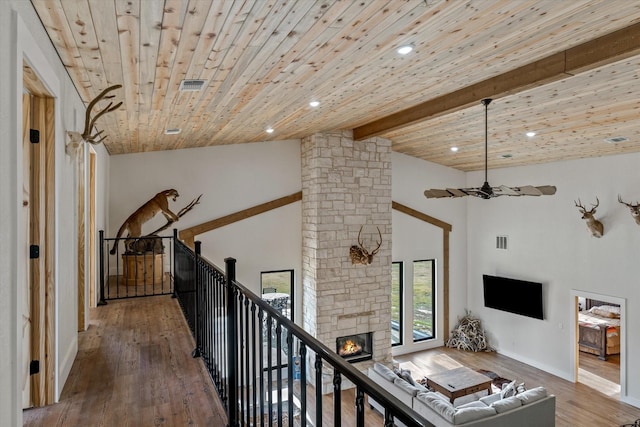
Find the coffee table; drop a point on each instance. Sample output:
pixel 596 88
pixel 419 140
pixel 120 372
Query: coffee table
pixel 459 382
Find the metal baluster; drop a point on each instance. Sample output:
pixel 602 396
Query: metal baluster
pixel 337 398
pixel 231 343
pixel 254 376
pixel 261 363
pixel 102 300
pixel 303 384
pixel 279 373
pixel 388 419
pixel 290 375
pixel 241 340
pixel 318 368
pixel 196 317
pixel 247 358
pixel 269 367
pixel 359 407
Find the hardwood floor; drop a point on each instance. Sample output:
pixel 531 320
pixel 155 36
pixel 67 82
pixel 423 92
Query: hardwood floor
pixel 134 368
pixel 601 375
pixel 576 404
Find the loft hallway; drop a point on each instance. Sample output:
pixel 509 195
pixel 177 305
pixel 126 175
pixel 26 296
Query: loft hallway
pixel 134 368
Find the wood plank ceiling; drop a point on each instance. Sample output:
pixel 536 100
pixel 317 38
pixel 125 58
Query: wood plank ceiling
pixel 264 61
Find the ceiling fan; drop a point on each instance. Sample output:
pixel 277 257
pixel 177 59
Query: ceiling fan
pixel 487 191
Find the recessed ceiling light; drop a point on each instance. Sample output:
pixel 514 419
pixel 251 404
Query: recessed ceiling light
pixel 269 130
pixel 531 134
pixel 172 131
pixel 314 103
pixel 454 149
pixel 403 50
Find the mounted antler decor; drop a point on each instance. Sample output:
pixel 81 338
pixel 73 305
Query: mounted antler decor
pixel 595 227
pixel 634 208
pixel 89 123
pixel 360 255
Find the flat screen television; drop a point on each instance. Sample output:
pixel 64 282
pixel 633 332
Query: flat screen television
pixel 514 296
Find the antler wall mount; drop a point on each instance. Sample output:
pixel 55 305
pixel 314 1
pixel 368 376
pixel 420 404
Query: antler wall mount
pixel 76 138
pixel 360 255
pixel 595 227
pixel 634 208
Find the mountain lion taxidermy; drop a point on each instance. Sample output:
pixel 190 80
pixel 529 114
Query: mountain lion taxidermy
pixel 159 203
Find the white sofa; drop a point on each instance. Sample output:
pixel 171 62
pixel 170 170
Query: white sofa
pixel 530 408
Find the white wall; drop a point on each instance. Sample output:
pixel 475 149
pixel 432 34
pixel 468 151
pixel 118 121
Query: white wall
pixel 416 240
pixel 231 178
pixel 549 243
pixel 22 38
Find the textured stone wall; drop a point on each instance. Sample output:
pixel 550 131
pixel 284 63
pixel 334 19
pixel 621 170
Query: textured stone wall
pixel 346 184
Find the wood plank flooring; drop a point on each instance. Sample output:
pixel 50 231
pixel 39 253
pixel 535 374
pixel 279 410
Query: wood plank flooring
pixel 134 368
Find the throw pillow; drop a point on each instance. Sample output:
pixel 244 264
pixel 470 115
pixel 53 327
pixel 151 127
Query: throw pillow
pixel 532 395
pixel 405 386
pixel 474 404
pixel 520 388
pixel 384 372
pixel 508 390
pixel 488 400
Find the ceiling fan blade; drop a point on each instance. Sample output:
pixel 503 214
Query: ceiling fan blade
pixel 503 190
pixel 547 190
pixel 455 192
pixel 435 193
pixel 529 190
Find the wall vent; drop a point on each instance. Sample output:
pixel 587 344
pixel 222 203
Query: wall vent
pixel 501 242
pixel 173 131
pixel 191 85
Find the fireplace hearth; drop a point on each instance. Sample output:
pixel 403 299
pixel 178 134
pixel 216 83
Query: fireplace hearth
pixel 355 348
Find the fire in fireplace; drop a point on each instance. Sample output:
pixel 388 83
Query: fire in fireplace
pixel 355 348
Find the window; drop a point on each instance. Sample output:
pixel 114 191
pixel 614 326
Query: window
pixel 396 303
pixel 423 290
pixel 277 290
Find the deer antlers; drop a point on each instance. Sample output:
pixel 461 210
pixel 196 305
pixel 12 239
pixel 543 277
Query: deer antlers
pixel 89 122
pixel 360 255
pixel 634 208
pixel 595 227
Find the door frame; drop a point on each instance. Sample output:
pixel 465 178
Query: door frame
pixel 35 73
pixel 575 293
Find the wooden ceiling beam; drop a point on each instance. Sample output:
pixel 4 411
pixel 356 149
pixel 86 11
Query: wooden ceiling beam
pixel 607 49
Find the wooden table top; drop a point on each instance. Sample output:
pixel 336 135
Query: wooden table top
pixel 459 378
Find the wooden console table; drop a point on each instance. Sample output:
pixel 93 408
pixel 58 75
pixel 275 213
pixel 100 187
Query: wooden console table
pixel 459 382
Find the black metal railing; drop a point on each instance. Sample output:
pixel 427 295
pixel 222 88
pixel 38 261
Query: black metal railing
pixel 146 269
pixel 267 370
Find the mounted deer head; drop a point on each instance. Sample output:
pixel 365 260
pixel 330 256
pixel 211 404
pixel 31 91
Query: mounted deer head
pixel 595 227
pixel 77 138
pixel 634 208
pixel 360 255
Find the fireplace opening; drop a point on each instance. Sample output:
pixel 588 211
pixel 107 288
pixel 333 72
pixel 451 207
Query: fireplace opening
pixel 355 348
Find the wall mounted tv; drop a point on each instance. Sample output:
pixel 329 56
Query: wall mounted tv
pixel 515 296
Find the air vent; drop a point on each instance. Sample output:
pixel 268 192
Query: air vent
pixel 191 85
pixel 501 242
pixel 616 139
pixel 173 131
pixel 505 156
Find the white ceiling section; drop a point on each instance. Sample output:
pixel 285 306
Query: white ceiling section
pixel 263 61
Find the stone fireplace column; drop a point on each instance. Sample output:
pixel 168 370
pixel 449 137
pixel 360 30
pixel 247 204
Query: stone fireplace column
pixel 346 185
